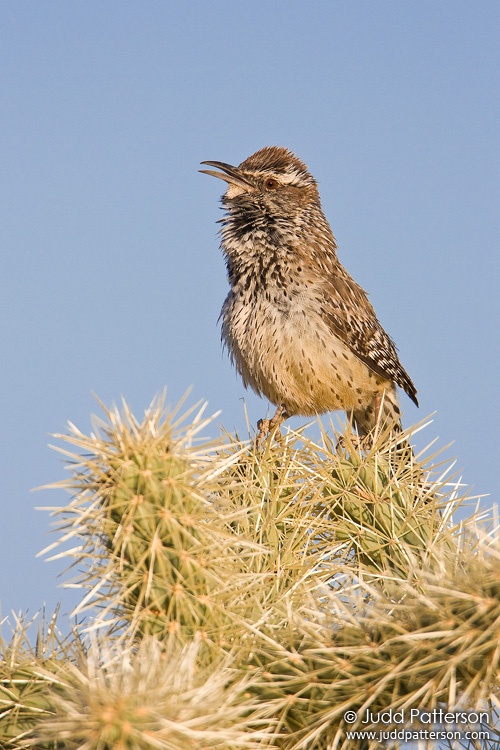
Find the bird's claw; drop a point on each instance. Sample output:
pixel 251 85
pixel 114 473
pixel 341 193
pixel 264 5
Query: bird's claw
pixel 271 426
pixel 358 442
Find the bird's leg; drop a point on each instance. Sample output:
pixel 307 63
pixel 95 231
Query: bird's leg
pixel 366 441
pixel 267 426
pixel 360 437
pixel 358 442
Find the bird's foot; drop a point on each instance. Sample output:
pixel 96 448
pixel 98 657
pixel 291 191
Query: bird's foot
pixel 358 442
pixel 271 426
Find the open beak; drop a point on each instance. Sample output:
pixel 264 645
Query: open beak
pixel 228 173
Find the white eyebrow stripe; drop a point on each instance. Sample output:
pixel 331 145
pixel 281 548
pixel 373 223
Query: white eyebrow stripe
pixel 284 178
pixel 288 179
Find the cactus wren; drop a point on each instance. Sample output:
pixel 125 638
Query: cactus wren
pixel 298 328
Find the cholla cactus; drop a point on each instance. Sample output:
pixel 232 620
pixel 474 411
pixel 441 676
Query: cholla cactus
pixel 243 597
pixel 154 695
pixel 146 528
pixel 427 651
pixel 28 682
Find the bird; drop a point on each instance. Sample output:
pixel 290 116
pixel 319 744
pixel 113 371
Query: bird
pixel 300 331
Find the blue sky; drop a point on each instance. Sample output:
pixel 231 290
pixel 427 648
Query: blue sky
pixel 111 278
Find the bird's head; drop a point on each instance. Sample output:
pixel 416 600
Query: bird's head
pixel 272 182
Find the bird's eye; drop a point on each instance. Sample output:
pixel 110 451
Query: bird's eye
pixel 271 184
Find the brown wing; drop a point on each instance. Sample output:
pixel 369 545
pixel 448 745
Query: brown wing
pixel 348 311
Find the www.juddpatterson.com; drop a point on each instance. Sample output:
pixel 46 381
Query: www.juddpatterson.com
pixel 468 725
pixel 418 734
